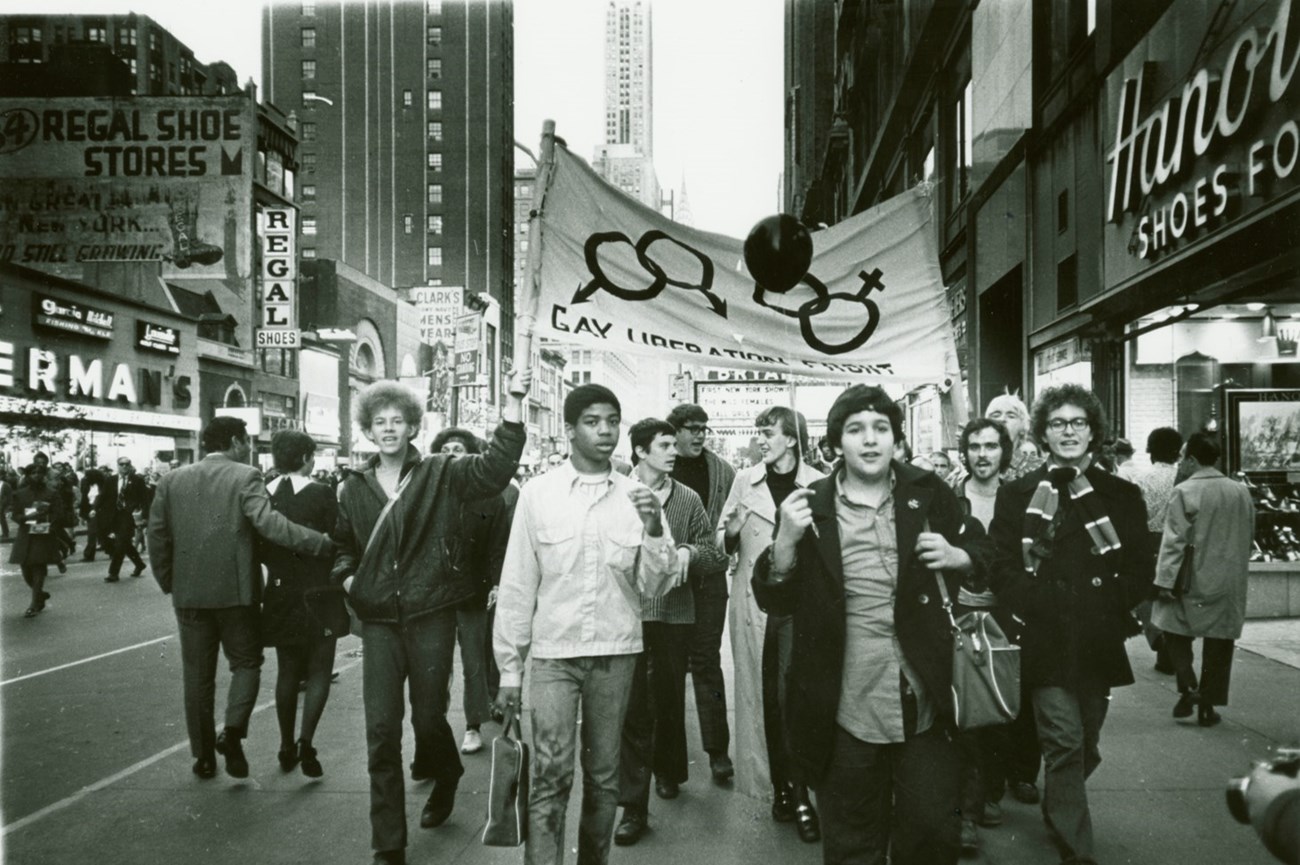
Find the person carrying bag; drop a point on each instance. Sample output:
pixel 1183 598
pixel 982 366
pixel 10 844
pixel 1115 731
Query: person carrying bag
pixel 507 817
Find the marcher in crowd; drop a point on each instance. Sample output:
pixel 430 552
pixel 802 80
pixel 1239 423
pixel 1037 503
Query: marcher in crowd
pixel 870 716
pixel 1072 563
pixel 761 644
pixel 942 463
pixel 94 482
pixel 489 531
pixel 8 485
pixel 63 480
pixel 302 613
pixel 654 733
pixel 1124 459
pixel 37 509
pixel 1164 445
pixel 998 757
pixel 124 498
pixel 403 559
pixel 1009 410
pixel 201 545
pixel 711 477
pixel 586 545
pixel 1210 518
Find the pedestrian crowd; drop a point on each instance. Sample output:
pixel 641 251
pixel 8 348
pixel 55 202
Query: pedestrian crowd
pixel 605 585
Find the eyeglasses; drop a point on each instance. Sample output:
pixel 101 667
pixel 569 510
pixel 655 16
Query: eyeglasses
pixel 1078 424
pixel 697 429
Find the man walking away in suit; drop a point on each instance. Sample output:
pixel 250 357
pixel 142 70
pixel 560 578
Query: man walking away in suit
pixel 126 495
pixel 201 544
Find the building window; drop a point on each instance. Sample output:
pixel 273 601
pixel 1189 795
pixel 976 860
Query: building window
pixel 309 69
pixel 960 146
pixel 1067 283
pixel 435 100
pixel 155 41
pixel 408 224
pixel 126 35
pixel 309 131
pixel 435 68
pixel 435 162
pixel 435 224
pixel 27 36
pixel 435 36
pixel 309 37
pixel 408 100
pixel 133 66
pixel 309 192
pixel 308 98
pixel 309 163
pixel 435 256
pixel 435 130
pixel 309 8
pixel 309 225
pixel 93 34
pixel 1063 211
pixel 435 7
pixel 155 74
pixel 309 253
pixel 435 193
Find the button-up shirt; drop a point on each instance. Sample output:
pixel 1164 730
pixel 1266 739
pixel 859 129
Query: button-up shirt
pixel 576 566
pixel 871 699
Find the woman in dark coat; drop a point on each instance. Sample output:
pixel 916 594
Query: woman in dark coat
pixel 38 510
pixel 302 615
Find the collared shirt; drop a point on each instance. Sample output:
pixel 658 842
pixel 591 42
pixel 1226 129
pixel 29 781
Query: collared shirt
pixel 299 482
pixel 577 563
pixel 1157 484
pixel 871 699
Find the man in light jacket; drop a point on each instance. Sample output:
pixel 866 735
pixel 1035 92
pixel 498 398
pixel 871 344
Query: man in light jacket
pixel 1212 519
pixel 201 545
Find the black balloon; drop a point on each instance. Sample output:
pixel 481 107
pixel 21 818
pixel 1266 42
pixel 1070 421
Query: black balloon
pixel 778 252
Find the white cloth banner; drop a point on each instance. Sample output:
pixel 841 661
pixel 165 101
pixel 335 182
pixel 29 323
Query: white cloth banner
pixel 621 277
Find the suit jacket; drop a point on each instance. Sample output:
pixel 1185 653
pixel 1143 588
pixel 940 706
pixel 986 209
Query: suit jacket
pixel 134 495
pixel 202 529
pixel 814 593
pixel 1076 608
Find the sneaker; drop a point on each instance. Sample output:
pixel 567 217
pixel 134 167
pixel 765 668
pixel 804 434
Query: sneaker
pixel 472 743
pixel 970 838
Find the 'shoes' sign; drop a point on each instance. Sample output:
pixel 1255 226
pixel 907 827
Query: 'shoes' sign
pixel 278 327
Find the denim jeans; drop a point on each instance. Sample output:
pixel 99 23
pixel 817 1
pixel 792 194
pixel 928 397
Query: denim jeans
pixel 896 800
pixel 706 663
pixel 421 650
pixel 1069 728
pixel 654 732
pixel 602 685
pixel 202 631
pixel 471 630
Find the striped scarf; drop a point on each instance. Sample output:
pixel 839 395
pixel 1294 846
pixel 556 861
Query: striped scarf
pixel 1044 516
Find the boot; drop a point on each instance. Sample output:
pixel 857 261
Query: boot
pixel 806 822
pixel 783 803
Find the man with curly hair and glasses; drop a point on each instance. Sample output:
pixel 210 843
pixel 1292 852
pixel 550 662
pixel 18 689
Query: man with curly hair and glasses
pixel 1072 561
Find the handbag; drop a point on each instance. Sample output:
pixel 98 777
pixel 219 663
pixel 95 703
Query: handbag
pixel 326 612
pixel 985 668
pixel 1183 581
pixel 507 804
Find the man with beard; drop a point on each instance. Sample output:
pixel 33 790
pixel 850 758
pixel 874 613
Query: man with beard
pixel 711 478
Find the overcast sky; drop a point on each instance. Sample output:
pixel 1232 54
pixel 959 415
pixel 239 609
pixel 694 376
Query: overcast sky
pixel 717 84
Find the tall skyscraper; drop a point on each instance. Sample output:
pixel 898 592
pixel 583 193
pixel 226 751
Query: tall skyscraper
pixel 626 159
pixel 407 136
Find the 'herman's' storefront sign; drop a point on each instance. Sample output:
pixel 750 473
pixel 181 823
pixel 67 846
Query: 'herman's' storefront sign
pixel 1187 156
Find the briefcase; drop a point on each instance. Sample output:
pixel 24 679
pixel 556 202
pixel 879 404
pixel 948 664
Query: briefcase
pixel 507 817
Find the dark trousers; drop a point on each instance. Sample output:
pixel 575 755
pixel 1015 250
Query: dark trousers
pixel 124 546
pixel 493 671
pixel 1020 756
pixel 778 639
pixel 706 662
pixel 1069 730
pixel 34 576
pixel 1216 666
pixel 92 536
pixel 234 630
pixel 654 732
pixel 4 522
pixel 421 650
pixel 898 801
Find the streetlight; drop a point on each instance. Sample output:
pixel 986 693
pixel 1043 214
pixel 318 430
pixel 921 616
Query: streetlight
pixel 312 97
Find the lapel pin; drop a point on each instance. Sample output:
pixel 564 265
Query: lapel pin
pixel 913 504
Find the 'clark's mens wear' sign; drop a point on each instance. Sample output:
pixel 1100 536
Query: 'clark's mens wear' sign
pixel 621 277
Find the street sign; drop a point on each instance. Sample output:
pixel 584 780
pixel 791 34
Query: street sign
pixel 468 328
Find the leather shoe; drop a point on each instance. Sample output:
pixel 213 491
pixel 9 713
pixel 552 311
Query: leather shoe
pixel 311 766
pixel 111 578
pixel 229 747
pixel 1206 716
pixel 441 802
pixel 206 767
pixel 807 824
pixel 288 757
pixel 723 770
pixel 992 815
pixel 783 804
pixel 420 769
pixel 1186 703
pixel 1026 792
pixel 389 857
pixel 138 571
pixel 630 829
pixel 666 789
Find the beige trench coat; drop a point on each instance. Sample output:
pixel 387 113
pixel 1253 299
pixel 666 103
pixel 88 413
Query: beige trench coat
pixel 1216 516
pixel 747 622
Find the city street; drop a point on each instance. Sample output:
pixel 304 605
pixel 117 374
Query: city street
pixel 96 767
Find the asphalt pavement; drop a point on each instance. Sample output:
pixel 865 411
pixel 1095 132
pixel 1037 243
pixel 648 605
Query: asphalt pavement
pixel 95 767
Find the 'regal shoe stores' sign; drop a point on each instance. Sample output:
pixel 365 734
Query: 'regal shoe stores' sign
pixel 1186 156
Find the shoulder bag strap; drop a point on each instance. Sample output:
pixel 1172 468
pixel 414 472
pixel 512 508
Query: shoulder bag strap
pixel 388 507
pixel 943 588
